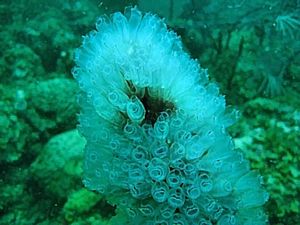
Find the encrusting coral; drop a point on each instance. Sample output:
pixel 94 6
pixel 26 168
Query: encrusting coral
pixel 157 145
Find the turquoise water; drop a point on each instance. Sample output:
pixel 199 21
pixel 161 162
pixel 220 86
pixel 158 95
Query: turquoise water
pixel 250 48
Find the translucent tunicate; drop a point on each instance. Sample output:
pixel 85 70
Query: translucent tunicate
pixel 252 198
pixel 196 150
pixel 125 167
pixel 182 136
pixel 135 17
pixel 131 212
pixel 212 208
pixel 217 163
pixel 193 191
pixel 107 70
pixel 139 190
pixel 174 178
pixel 176 197
pixel 113 176
pixel 102 23
pixel 203 221
pixel 147 209
pixel 177 151
pixel 131 130
pixel 161 129
pixel 205 183
pixel 118 99
pixel 222 188
pixel 135 173
pixel 124 153
pixel 100 188
pixel 102 134
pixel 248 180
pixel 161 151
pixel 157 169
pixel 163 117
pixel 191 210
pixel 189 170
pixel 227 220
pixel 160 192
pixel 121 23
pixel 148 130
pixel 176 122
pixel 114 144
pixel 76 71
pixel 104 110
pixel 93 156
pixel 98 173
pixel 135 110
pixel 178 164
pixel 159 222
pixel 160 166
pixel 138 154
pixel 179 219
pixel 167 211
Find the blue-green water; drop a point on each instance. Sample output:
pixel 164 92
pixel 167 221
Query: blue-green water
pixel 250 48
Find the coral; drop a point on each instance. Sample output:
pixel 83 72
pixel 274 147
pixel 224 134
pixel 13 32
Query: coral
pixel 80 202
pixel 14 133
pixel 10 194
pixel 49 34
pixel 92 221
pixel 58 166
pixel 21 62
pixel 157 145
pixel 16 203
pixel 10 149
pixel 48 102
pixel 269 136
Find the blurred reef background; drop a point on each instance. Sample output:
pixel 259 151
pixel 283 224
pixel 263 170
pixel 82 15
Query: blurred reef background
pixel 251 49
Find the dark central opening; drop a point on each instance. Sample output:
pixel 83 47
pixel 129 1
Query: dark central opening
pixel 154 106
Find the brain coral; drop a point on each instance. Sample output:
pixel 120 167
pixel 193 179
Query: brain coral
pixel 157 145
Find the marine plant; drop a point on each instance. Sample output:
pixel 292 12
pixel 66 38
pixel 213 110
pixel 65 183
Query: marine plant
pixel 156 129
pixel 287 25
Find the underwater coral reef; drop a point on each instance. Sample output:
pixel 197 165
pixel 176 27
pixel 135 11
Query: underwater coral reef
pixel 250 49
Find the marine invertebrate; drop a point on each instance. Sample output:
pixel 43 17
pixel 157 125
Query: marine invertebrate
pixel 157 145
